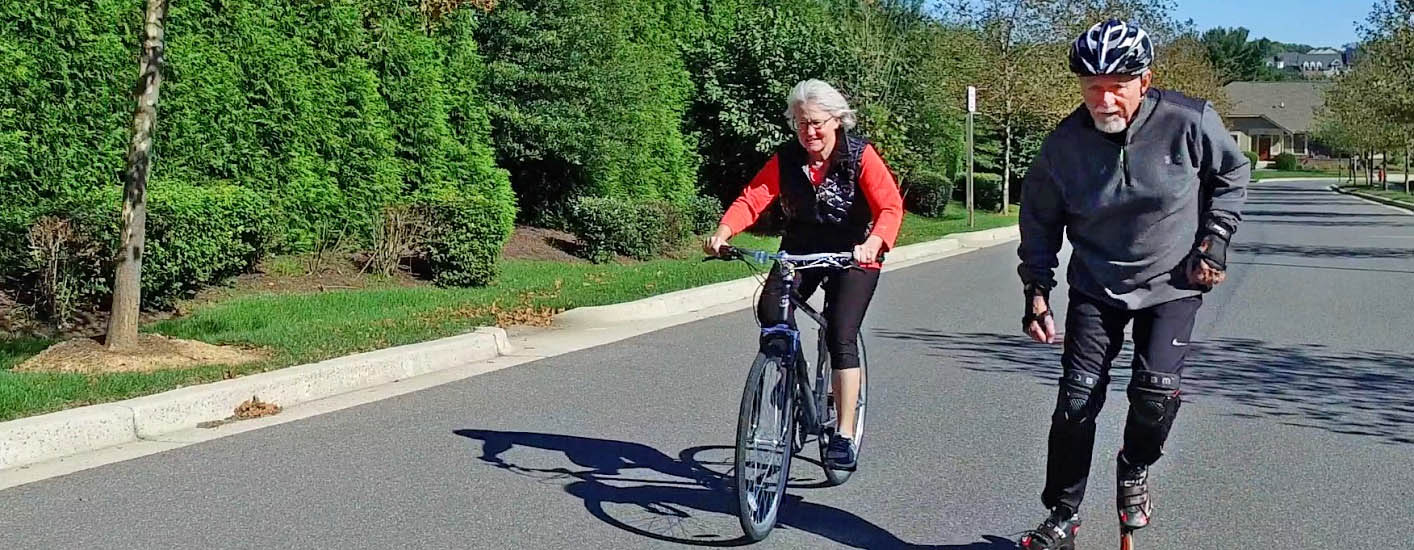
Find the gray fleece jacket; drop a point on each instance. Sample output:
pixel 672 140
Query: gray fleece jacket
pixel 1132 212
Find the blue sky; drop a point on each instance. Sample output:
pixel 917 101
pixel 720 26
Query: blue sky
pixel 1313 22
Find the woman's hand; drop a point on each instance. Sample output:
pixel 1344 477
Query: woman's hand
pixel 868 252
pixel 713 245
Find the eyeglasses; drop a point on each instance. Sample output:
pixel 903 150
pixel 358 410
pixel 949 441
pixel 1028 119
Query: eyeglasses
pixel 802 124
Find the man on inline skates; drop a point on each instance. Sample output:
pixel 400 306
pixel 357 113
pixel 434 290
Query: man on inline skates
pixel 1148 186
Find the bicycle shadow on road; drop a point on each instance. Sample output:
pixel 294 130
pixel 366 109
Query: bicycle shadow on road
pixel 1346 391
pixel 684 500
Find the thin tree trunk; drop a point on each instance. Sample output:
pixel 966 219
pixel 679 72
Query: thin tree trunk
pixel 127 288
pixel 1406 167
pixel 1369 169
pixel 1384 171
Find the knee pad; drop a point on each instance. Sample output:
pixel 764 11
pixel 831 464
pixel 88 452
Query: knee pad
pixel 1153 398
pixel 1081 397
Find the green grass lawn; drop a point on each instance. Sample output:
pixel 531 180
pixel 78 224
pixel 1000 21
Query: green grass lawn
pixel 1396 191
pixel 1259 175
pixel 307 327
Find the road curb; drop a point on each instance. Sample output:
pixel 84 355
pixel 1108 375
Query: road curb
pixel 83 429
pixel 703 297
pixel 64 433
pixel 1376 198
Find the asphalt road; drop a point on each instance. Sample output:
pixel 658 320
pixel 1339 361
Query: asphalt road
pixel 1297 430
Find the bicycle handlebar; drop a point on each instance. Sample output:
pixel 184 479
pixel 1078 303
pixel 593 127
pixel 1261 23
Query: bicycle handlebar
pixel 844 260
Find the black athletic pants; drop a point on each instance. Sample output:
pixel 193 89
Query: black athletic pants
pixel 847 296
pixel 1094 335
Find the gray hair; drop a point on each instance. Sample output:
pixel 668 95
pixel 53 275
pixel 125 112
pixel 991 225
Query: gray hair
pixel 823 95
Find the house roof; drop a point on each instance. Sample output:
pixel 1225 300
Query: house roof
pixel 1293 58
pixel 1292 105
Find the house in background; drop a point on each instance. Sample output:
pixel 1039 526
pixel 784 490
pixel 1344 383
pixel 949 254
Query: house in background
pixel 1271 118
pixel 1320 62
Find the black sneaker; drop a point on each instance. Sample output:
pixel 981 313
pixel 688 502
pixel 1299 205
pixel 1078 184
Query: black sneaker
pixel 1056 533
pixel 840 454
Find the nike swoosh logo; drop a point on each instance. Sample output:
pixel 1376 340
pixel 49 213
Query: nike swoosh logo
pixel 1179 344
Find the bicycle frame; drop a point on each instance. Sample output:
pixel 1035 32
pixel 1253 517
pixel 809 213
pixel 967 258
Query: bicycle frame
pixel 811 421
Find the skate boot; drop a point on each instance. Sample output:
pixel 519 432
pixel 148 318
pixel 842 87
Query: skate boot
pixel 1131 500
pixel 1132 494
pixel 1056 533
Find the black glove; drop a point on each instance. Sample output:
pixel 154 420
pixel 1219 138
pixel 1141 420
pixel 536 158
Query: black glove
pixel 1216 236
pixel 1031 291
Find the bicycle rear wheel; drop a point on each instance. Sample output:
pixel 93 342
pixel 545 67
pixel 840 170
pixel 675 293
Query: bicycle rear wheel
pixel 765 429
pixel 838 477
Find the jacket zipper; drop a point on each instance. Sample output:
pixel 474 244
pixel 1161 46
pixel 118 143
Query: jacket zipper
pixel 1124 163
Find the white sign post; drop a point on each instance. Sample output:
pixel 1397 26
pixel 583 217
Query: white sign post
pixel 971 111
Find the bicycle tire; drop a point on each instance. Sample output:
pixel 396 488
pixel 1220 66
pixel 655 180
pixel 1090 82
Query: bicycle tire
pixel 758 515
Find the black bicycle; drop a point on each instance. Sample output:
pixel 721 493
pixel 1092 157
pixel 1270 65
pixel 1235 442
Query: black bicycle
pixel 780 410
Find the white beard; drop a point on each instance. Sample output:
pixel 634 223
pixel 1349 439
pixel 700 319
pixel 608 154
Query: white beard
pixel 1110 124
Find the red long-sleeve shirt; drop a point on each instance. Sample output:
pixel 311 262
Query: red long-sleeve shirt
pixel 875 181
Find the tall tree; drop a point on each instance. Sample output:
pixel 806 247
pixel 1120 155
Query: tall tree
pixel 886 42
pixel 1022 53
pixel 1354 120
pixel 1389 66
pixel 1233 55
pixel 1024 85
pixel 1389 52
pixel 127 283
pixel 1183 65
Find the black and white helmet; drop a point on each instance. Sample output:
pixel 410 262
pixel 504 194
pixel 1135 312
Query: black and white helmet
pixel 1112 47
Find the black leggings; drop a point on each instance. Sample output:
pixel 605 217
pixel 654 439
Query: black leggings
pixel 847 296
pixel 1094 335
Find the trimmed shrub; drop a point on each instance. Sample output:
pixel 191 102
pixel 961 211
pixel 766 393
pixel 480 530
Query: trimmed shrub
pixel 196 236
pixel 58 257
pixel 987 190
pixel 1286 161
pixel 928 193
pixel 706 213
pixel 1252 158
pixel 464 238
pixel 637 229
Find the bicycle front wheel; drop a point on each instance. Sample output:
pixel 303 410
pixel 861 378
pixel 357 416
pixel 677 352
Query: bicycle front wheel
pixel 765 429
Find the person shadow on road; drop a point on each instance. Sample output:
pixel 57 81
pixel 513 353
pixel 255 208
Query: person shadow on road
pixel 641 490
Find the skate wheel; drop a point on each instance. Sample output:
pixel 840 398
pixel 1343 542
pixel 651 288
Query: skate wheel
pixel 1126 540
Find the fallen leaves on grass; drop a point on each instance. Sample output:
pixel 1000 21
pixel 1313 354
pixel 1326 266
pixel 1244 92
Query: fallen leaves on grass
pixel 525 311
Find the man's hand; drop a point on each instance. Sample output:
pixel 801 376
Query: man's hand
pixel 868 252
pixel 1043 328
pixel 1201 271
pixel 713 244
pixel 1038 323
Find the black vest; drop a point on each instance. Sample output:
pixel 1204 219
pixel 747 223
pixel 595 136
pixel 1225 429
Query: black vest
pixel 833 217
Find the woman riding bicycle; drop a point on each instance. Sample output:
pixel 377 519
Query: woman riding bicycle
pixel 838 196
